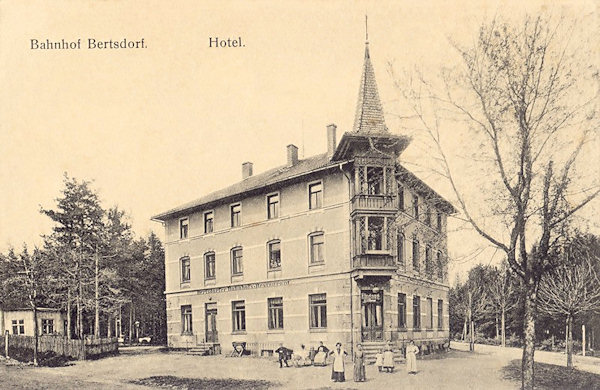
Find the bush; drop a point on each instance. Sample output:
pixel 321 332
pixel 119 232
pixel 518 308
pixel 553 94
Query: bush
pixel 47 359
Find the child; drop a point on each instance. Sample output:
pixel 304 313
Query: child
pixel 388 360
pixel 379 360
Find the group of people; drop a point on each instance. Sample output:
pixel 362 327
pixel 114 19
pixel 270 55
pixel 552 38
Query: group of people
pixel 302 357
pixel 384 360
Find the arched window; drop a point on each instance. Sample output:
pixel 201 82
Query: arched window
pixel 415 254
pixel 400 248
pixel 440 266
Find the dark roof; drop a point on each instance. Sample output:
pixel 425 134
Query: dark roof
pixel 369 113
pixel 40 309
pixel 423 189
pixel 259 182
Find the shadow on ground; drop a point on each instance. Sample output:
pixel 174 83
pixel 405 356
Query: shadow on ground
pixel 552 377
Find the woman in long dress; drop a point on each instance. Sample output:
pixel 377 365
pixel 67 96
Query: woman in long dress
pixel 359 364
pixel 338 369
pixel 411 357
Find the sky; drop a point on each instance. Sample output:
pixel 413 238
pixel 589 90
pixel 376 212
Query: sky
pixel 156 127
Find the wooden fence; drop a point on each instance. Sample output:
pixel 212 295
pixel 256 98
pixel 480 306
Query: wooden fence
pixel 76 349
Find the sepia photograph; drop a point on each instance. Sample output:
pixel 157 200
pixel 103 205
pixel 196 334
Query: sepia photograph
pixel 299 194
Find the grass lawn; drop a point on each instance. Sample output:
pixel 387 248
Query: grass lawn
pixel 173 382
pixel 549 376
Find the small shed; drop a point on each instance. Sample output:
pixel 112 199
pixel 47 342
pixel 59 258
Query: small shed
pixel 20 321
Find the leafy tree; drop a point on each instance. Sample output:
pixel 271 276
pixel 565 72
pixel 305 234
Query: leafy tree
pixel 76 236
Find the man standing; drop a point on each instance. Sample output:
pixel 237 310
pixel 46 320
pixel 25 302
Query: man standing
pixel 284 355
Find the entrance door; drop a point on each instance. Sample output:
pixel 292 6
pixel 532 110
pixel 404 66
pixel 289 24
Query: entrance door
pixel 211 323
pixel 372 315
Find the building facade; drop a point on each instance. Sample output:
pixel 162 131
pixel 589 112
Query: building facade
pixel 20 322
pixel 344 246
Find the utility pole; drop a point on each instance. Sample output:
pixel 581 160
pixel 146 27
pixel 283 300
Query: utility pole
pixel 96 298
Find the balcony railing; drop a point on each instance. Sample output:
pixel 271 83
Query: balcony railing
pixel 374 261
pixel 374 202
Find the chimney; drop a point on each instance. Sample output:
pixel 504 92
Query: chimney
pixel 246 170
pixel 331 141
pixel 292 155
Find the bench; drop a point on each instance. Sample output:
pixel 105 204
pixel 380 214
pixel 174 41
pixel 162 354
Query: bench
pixel 267 352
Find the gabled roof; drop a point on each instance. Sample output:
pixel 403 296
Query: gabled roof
pixel 369 113
pixel 423 189
pixel 262 182
pixel 39 309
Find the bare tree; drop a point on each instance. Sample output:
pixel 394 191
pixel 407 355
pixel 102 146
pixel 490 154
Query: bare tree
pixel 572 288
pixel 501 294
pixel 528 102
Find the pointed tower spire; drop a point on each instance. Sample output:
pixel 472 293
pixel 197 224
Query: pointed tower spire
pixel 369 113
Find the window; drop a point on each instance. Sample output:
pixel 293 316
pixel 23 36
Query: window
pixel 428 216
pixel 185 269
pixel 415 254
pixel 428 263
pixel 315 196
pixel 186 319
pixel 273 206
pixel 401 310
pixel 400 197
pixel 400 248
pixel 317 243
pixel 183 228
pixel 238 314
pixel 236 215
pixel 208 222
pixel 375 239
pixel 209 265
pixel 375 180
pixel 440 267
pixel 18 326
pixel 417 312
pixel 275 313
pixel 439 221
pixel 318 310
pixel 274 255
pixel 236 261
pixel 415 201
pixel 440 314
pixel 430 313
pixel 47 326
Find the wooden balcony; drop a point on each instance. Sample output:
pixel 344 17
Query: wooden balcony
pixel 374 203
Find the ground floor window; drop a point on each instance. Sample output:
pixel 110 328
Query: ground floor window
pixel 417 312
pixel 275 313
pixel 18 326
pixel 318 310
pixel 401 310
pixel 238 313
pixel 440 314
pixel 430 313
pixel 186 319
pixel 47 326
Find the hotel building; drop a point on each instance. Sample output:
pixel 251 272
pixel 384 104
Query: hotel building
pixel 343 246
